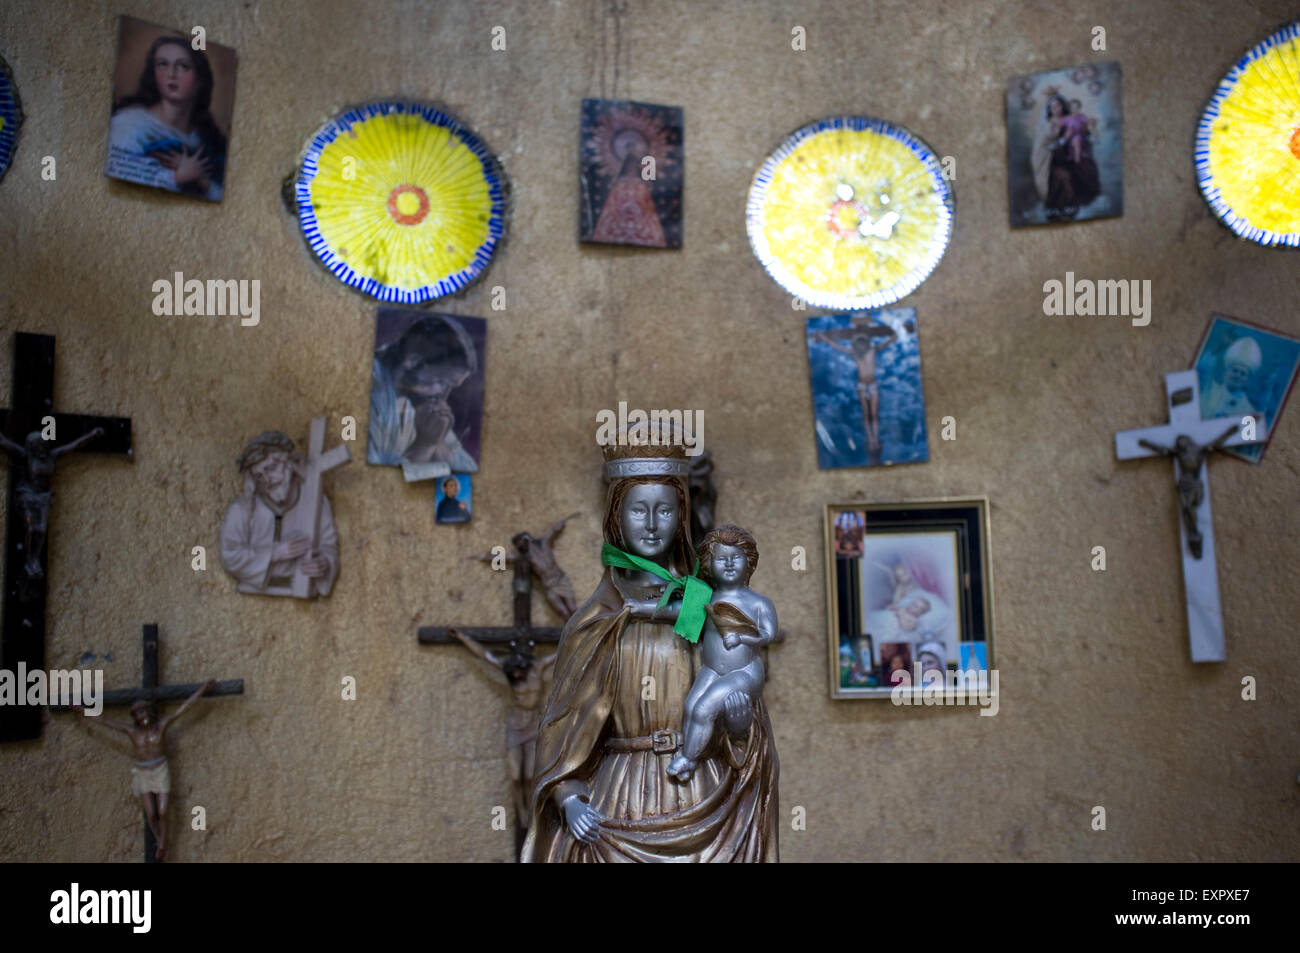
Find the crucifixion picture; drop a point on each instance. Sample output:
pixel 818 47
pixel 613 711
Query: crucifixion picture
pixel 1189 441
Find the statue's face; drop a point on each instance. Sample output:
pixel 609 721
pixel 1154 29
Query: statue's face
pixel 727 564
pixel 650 519
pixel 272 476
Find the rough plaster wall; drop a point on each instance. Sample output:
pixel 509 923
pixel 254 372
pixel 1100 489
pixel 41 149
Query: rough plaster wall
pixel 1100 703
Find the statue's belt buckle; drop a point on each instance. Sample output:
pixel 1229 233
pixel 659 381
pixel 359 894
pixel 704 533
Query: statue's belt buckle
pixel 665 741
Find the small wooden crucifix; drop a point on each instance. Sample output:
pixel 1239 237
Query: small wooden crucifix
pixel 1190 440
pixel 307 514
pixel 31 467
pixel 150 691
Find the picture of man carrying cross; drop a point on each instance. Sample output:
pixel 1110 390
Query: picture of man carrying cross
pixel 263 542
pixel 151 779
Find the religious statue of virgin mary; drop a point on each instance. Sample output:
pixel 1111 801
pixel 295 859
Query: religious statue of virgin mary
pixel 613 721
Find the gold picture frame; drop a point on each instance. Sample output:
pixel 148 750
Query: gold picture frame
pixel 895 601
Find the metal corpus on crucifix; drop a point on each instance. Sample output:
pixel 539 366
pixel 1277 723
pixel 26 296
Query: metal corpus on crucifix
pixel 1190 440
pixel 150 776
pixel 35 437
pixel 523 672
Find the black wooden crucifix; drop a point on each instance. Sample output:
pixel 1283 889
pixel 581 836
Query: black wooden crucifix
pixel 23 638
pixel 150 690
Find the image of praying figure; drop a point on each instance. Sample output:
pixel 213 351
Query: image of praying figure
pixel 426 392
pixel 163 132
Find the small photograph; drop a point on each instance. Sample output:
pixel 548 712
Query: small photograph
pixel 172 108
pixel 631 174
pixel 1065 160
pixel 858 667
pixel 909 590
pixel 895 664
pixel 426 392
pixel 1245 370
pixel 868 405
pixel 974 657
pixel 452 502
pixel 849 529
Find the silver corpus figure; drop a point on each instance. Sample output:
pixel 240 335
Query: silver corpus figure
pixel 740 622
pixel 33 491
pixel 1189 456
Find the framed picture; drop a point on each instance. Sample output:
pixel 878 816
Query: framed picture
pixel 913 600
pixel 1244 370
pixel 1065 157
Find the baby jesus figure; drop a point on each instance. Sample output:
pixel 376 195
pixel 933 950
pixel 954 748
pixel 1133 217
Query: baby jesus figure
pixel 740 622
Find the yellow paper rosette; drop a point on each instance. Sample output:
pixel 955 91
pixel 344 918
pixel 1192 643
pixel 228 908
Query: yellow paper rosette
pixel 11 117
pixel 400 201
pixel 1248 143
pixel 850 213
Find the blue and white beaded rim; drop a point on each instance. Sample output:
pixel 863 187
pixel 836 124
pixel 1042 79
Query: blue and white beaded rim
pixel 12 114
pixel 1222 210
pixel 824 299
pixel 307 214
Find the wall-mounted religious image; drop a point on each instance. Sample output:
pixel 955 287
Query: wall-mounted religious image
pixel 918 594
pixel 1243 370
pixel 426 393
pixel 1065 160
pixel 868 405
pixel 11 118
pixel 453 502
pixel 974 657
pixel 631 174
pixel 172 108
pixel 849 527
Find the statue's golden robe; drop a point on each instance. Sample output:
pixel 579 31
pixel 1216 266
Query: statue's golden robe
pixel 600 690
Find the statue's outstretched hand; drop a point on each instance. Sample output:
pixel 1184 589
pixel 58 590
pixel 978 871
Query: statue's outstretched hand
pixel 583 820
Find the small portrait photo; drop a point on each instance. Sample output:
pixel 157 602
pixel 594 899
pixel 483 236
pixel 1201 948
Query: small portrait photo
pixel 974 657
pixel 172 109
pixel 910 588
pixel 849 529
pixel 426 392
pixel 1065 159
pixel 858 668
pixel 895 664
pixel 630 172
pixel 452 503
pixel 1243 370
pixel 868 405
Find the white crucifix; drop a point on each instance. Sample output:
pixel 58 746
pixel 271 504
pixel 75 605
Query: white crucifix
pixel 1190 441
pixel 306 516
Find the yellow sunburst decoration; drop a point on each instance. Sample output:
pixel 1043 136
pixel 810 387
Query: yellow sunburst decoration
pixel 1248 143
pixel 401 201
pixel 850 213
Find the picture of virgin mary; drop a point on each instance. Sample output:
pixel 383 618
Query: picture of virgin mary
pixel 163 132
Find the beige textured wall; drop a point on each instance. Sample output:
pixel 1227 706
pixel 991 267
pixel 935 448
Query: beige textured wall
pixel 1100 703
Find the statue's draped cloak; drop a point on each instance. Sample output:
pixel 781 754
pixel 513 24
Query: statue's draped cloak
pixel 600 690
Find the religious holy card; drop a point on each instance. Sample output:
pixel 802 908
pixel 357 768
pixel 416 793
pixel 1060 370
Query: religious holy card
pixel 631 174
pixel 426 393
pixel 868 404
pixel 1065 159
pixel 453 499
pixel 173 99
pixel 1245 370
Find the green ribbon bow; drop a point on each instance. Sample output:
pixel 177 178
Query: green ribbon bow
pixel 696 593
